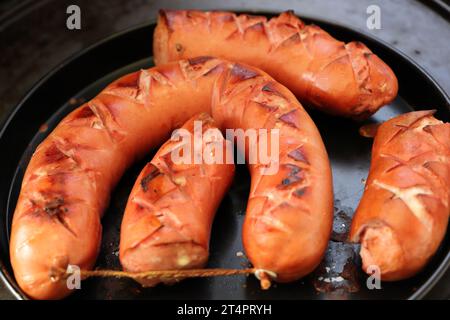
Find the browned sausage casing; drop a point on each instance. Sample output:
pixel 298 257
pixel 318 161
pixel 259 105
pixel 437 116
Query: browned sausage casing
pixel 70 176
pixel 403 214
pixel 344 79
pixel 168 218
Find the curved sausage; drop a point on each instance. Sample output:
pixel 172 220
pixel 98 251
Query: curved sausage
pixel 70 176
pixel 403 214
pixel 169 214
pixel 344 79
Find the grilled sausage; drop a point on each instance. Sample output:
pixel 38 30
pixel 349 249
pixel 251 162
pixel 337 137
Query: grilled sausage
pixel 403 214
pixel 338 78
pixel 67 183
pixel 168 218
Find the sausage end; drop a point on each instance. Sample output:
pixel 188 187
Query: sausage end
pixel 381 250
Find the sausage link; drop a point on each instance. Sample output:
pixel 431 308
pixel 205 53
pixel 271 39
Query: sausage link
pixel 344 79
pixel 403 214
pixel 168 217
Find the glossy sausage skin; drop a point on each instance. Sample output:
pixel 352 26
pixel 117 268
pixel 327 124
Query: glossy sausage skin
pixel 168 218
pixel 344 79
pixel 70 176
pixel 403 214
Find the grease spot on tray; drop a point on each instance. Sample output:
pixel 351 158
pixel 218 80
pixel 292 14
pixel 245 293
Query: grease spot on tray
pixel 338 273
pixel 341 222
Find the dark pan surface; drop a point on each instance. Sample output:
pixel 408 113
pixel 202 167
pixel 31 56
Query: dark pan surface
pixel 83 76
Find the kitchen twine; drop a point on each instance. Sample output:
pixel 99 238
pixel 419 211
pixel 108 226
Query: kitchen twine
pixel 264 276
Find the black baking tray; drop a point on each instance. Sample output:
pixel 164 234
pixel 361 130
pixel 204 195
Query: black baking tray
pixel 81 77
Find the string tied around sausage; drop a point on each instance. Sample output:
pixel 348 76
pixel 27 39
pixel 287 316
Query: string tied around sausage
pixel 264 276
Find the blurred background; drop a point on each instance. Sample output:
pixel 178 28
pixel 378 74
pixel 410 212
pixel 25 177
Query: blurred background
pixel 34 38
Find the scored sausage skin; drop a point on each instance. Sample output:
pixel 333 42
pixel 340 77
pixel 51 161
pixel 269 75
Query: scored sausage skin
pixel 68 181
pixel 169 214
pixel 403 214
pixel 345 79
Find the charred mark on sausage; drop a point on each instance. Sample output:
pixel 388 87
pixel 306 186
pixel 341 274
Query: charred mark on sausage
pixel 290 118
pixel 55 206
pixel 199 60
pixel 300 192
pixel 293 169
pixel 55 209
pixel 299 155
pixel 242 73
pixel 269 88
pixel 295 175
pixel 154 172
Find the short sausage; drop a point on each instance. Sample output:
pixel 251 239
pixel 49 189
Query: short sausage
pixel 168 218
pixel 403 214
